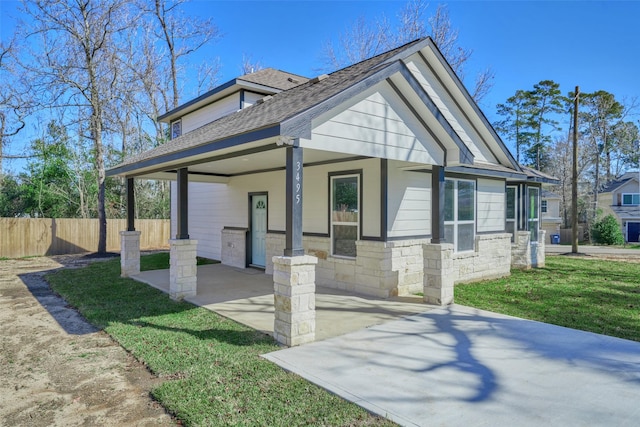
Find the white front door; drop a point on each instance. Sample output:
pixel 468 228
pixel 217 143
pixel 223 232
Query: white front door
pixel 258 229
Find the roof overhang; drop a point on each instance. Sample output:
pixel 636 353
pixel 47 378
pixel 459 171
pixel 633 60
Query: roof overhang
pixel 215 94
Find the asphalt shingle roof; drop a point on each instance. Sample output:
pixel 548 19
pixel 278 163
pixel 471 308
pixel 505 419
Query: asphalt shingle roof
pixel 272 112
pixel 276 79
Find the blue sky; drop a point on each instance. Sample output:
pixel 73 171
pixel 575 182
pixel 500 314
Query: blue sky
pixel 595 45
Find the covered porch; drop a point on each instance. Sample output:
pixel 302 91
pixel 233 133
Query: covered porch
pixel 246 296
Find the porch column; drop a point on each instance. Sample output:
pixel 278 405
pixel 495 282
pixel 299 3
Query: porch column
pixel 439 273
pixel 437 204
pixel 293 239
pixel 294 275
pixel 130 239
pixel 182 250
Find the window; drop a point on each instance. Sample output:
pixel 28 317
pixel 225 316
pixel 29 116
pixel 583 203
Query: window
pixel 534 216
pixel 631 199
pixel 510 226
pixel 345 214
pixel 543 206
pixel 459 214
pixel 176 129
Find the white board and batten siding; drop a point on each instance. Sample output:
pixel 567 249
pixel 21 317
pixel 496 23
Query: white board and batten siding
pixel 490 205
pixel 451 112
pixel 215 206
pixel 375 123
pixel 408 202
pixel 211 112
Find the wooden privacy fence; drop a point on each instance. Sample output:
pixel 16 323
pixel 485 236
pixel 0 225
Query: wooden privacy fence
pixel 45 236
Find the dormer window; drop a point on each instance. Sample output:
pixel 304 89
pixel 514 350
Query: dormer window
pixel 176 129
pixel 631 199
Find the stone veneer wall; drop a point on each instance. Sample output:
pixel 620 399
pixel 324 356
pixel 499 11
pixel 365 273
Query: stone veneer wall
pixel 385 269
pixel 234 247
pixel 490 259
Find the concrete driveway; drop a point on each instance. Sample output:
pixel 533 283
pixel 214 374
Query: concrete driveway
pixel 458 366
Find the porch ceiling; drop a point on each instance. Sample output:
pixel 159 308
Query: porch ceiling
pixel 269 157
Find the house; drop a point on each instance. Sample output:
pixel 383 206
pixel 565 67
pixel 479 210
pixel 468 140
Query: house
pixel 383 178
pixel 621 198
pixel 550 213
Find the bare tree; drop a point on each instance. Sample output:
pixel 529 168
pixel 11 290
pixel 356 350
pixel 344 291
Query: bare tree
pixel 249 65
pixel 365 39
pixel 13 106
pixel 181 36
pixel 76 69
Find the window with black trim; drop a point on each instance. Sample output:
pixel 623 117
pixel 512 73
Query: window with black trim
pixel 511 213
pixel 543 206
pixel 176 129
pixel 460 213
pixel 345 214
pixel 534 212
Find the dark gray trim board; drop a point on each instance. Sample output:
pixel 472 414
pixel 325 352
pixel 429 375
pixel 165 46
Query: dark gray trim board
pixel 183 204
pixel 226 227
pixel 294 199
pixel 465 154
pixel 131 205
pixel 470 100
pixel 210 147
pixel 417 116
pixel 384 198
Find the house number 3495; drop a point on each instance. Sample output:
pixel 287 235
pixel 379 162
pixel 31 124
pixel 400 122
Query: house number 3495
pixel 298 187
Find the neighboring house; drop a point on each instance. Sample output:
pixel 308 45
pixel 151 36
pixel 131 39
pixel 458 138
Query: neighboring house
pixel 386 171
pixel 550 210
pixel 622 199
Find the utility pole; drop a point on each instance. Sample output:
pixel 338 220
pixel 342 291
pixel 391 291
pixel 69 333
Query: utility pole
pixel 574 182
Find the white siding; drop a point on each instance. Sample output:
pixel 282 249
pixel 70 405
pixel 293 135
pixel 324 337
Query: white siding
pixel 409 202
pixel 491 205
pixel 250 98
pixel 210 113
pixel 215 206
pixel 375 123
pixel 451 112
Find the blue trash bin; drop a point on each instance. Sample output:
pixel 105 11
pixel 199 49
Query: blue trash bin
pixel 555 239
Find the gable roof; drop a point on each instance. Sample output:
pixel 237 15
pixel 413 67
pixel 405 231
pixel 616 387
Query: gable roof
pixel 266 81
pixel 614 185
pixel 289 113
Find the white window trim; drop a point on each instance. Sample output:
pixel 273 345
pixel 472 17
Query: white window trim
pixel 544 206
pixel 456 222
pixel 332 222
pixel 630 194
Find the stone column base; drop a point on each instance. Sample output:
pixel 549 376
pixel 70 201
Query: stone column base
pixel 183 280
pixel 129 253
pixel 438 273
pixel 294 281
pixel 521 250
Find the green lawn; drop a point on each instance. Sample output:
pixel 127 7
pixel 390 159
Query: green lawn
pixel 214 372
pixel 580 293
pixel 160 261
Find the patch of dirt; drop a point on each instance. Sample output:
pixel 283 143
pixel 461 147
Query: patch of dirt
pixel 57 369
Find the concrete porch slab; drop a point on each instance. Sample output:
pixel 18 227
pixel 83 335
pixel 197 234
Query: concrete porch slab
pixel 246 296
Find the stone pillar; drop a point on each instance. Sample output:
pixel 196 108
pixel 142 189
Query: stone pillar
pixel 521 250
pixel 183 278
pixel 294 281
pixel 538 250
pixel 439 274
pixel 129 253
